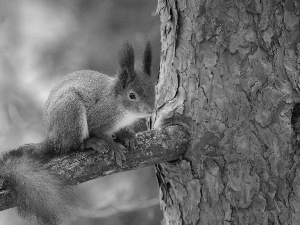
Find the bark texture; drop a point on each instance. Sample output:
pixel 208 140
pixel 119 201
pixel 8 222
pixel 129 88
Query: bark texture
pixel 230 71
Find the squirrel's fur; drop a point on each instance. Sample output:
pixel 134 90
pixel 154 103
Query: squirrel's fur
pixel 87 107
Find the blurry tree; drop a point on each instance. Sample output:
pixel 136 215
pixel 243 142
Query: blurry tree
pixel 230 70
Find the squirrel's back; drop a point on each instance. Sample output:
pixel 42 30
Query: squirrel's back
pixel 90 87
pixel 86 79
pixel 87 84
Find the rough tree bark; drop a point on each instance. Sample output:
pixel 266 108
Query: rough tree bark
pixel 230 71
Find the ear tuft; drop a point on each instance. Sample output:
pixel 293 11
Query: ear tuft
pixel 126 57
pixel 147 60
pixel 125 78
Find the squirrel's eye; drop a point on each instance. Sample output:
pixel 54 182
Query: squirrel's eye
pixel 132 96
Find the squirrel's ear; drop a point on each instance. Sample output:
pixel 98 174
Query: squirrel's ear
pixel 147 59
pixel 125 76
pixel 126 73
pixel 126 57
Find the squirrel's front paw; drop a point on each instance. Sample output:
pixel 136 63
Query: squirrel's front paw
pixel 127 137
pixel 116 150
pixel 96 144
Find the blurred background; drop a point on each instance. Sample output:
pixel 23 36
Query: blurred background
pixel 41 41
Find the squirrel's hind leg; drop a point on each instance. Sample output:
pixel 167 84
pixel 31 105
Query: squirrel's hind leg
pixel 66 124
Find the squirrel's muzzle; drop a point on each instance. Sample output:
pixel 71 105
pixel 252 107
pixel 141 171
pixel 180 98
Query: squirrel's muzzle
pixel 147 109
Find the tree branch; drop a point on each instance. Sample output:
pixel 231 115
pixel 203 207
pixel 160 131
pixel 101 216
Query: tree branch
pixel 160 145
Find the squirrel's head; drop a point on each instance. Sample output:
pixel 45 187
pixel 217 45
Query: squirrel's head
pixel 135 89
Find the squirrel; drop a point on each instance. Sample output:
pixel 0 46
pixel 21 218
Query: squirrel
pixel 81 113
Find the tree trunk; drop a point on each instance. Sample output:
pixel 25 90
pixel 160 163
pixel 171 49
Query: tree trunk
pixel 230 71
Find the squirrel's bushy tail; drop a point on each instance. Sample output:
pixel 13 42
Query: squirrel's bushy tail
pixel 38 194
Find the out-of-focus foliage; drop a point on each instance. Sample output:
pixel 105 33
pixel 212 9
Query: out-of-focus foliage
pixel 41 41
